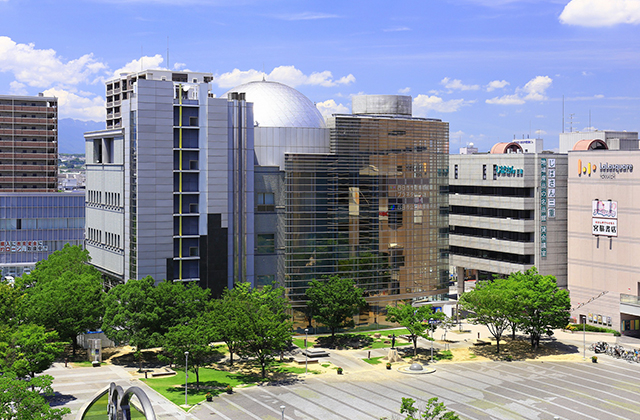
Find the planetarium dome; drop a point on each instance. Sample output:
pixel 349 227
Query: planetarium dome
pixel 278 105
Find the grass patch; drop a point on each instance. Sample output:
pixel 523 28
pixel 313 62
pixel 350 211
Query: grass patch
pixel 85 363
pixel 282 368
pixel 374 360
pixel 211 380
pixel 443 355
pixel 325 365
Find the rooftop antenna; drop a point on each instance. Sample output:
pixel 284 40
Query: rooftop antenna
pixel 168 66
pixel 263 73
pixel 141 56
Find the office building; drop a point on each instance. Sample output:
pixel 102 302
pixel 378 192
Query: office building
pixel 170 182
pixel 604 238
pixel 28 143
pixel 508 213
pixel 34 225
pixel 614 140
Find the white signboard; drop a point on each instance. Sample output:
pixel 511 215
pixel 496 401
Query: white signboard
pixel 604 227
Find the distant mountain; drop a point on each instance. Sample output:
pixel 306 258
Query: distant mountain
pixel 71 134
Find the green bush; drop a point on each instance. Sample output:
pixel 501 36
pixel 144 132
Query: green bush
pixel 592 328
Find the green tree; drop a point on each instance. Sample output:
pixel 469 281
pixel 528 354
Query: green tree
pixel 334 301
pixel 29 350
pixel 65 294
pixel 265 323
pixel 432 411
pixel 196 338
pixel 543 306
pixel 489 305
pixel 139 313
pixel 18 402
pixel 10 300
pixel 416 320
pixel 225 316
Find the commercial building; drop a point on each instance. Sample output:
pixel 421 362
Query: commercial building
pixel 374 208
pixel 507 213
pixel 34 225
pixel 604 238
pixel 28 143
pixel 614 140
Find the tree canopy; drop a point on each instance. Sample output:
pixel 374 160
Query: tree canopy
pixel 527 301
pixel 417 320
pixel 19 402
pixel 28 350
pixel 264 321
pixel 64 293
pixel 334 301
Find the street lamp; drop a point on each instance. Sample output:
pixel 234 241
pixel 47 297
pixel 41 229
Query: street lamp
pixel 282 407
pixel 186 376
pixel 306 331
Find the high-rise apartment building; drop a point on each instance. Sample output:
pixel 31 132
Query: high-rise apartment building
pixel 28 143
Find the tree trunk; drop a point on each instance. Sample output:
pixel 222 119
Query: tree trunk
pixel 231 349
pixel 74 345
pixel 415 345
pixel 197 371
pixel 498 342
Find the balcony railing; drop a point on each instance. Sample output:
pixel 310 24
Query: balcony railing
pixel 630 299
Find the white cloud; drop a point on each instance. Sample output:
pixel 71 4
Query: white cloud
pixel 43 68
pixel 424 103
pixel 397 29
pixel 506 100
pixel 598 13
pixel 17 88
pixel 288 75
pixel 144 63
pixel 307 16
pixel 456 84
pixel 534 90
pixel 330 107
pixel 496 84
pixel 78 105
pixel 404 91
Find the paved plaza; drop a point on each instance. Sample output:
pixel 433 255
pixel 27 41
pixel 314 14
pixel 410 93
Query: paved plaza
pixel 609 389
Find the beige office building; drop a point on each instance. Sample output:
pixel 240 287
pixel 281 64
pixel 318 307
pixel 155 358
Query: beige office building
pixel 507 213
pixel 604 238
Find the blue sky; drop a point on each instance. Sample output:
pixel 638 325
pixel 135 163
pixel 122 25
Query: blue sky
pixel 491 68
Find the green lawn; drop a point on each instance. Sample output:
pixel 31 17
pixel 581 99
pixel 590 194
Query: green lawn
pixel 211 380
pixel 374 360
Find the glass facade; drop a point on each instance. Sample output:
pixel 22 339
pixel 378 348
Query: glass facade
pixel 32 226
pixel 374 209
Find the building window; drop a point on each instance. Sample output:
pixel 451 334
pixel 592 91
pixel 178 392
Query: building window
pixel 193 208
pixel 455 171
pixel 97 151
pixel 484 171
pixel 193 165
pixel 266 243
pixel 266 202
pixel 193 251
pixel 495 172
pixel 265 280
pixel 193 121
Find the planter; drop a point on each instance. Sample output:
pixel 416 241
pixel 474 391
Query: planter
pixel 388 366
pixel 209 398
pixel 594 359
pixel 339 371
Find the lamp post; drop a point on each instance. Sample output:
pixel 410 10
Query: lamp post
pixel 282 407
pixel 306 331
pixel 186 376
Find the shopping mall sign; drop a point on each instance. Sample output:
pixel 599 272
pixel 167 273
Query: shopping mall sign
pixel 605 170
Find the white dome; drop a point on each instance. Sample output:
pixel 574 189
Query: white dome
pixel 278 105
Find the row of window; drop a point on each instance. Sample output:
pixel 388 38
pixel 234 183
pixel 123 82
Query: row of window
pixel 111 199
pixel 110 239
pixel 492 234
pixel 48 223
pixel 491 191
pixel 492 212
pixel 491 255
